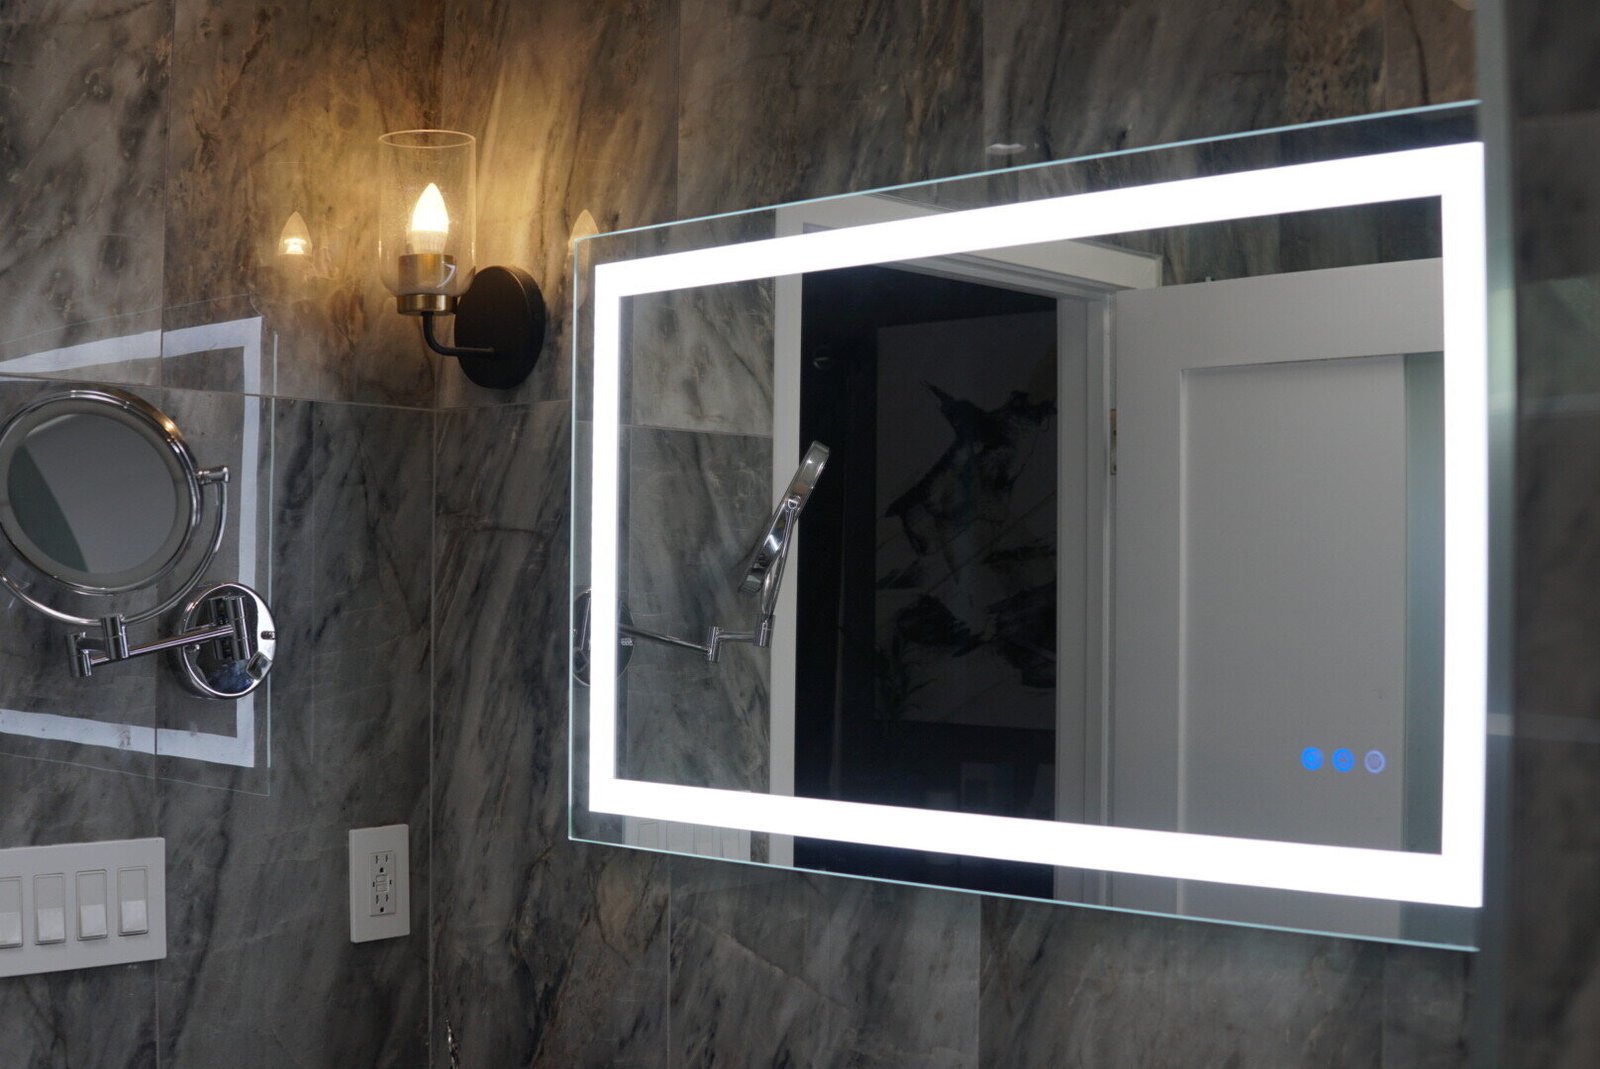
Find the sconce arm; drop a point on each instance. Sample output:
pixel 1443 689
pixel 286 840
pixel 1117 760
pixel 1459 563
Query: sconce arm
pixel 447 350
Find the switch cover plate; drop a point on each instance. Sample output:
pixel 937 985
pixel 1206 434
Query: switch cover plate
pixel 56 910
pixel 380 883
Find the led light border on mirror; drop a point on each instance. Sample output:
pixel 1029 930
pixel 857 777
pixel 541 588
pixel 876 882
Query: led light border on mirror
pixel 1453 877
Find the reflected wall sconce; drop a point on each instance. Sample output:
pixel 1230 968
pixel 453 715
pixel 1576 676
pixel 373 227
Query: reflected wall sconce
pixel 295 238
pixel 426 228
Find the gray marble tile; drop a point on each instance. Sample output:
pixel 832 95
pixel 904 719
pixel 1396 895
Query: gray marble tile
pixel 701 359
pixel 696 504
pixel 261 970
pixel 82 135
pixel 1067 80
pixel 545 952
pixel 778 968
pixel 782 100
pixel 1430 56
pixel 586 125
pixel 1427 1007
pixel 1558 199
pixel 1076 987
pixel 1553 48
pixel 1334 58
pixel 277 109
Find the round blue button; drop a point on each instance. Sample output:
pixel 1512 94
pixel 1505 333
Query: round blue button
pixel 1343 760
pixel 1375 761
pixel 1311 758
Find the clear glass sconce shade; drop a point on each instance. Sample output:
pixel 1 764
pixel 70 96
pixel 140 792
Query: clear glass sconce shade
pixel 427 208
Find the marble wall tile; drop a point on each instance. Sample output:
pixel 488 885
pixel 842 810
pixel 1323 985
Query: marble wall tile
pixel 782 99
pixel 1074 987
pixel 545 952
pixel 260 971
pixel 696 505
pixel 1430 56
pixel 275 109
pixel 775 968
pixel 1067 80
pixel 701 359
pixel 82 136
pixel 1553 54
pixel 584 123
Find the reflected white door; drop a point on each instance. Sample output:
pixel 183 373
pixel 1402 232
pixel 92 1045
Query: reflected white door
pixel 1261 565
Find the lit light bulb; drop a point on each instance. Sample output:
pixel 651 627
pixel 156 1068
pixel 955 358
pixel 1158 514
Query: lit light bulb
pixel 295 239
pixel 430 223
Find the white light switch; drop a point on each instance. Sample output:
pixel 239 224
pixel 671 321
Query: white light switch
pixel 50 908
pixel 133 911
pixel 10 913
pixel 92 904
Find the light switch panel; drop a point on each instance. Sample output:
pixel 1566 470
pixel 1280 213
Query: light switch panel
pixel 75 906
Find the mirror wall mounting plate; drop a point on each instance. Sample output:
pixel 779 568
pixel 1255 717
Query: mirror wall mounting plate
pixel 101 496
pixel 1150 569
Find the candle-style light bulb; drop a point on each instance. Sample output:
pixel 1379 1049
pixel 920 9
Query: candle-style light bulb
pixel 430 222
pixel 294 239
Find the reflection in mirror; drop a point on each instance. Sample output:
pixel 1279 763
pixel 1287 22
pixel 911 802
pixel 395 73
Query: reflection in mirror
pixel 95 496
pixel 1128 583
pixel 70 473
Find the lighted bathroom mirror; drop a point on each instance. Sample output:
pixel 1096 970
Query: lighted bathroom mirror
pixel 1149 566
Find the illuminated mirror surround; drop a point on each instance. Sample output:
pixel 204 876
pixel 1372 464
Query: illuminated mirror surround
pixel 1452 877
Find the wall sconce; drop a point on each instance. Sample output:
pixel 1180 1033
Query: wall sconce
pixel 426 226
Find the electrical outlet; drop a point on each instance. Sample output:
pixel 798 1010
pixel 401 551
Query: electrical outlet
pixel 380 893
pixel 382 871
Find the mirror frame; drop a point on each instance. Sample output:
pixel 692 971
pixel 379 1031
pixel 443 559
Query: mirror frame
pixel 151 424
pixel 1454 877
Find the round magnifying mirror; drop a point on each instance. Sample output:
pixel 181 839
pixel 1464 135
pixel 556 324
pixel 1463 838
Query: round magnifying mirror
pixel 97 490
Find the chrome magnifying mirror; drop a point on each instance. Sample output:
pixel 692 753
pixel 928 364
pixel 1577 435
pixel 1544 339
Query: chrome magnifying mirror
pixel 100 497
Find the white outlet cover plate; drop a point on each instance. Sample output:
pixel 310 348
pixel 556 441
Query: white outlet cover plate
pixel 364 842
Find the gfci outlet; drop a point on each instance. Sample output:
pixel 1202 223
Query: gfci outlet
pixel 380 883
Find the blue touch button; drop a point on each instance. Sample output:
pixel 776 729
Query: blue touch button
pixel 1311 758
pixel 1376 761
pixel 1343 760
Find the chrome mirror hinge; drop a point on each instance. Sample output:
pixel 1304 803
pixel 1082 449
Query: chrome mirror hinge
pixel 230 631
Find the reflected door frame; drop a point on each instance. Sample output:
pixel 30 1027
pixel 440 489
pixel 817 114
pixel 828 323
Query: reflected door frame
pixel 1082 277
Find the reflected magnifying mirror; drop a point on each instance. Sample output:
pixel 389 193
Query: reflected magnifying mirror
pixel 763 574
pixel 101 496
